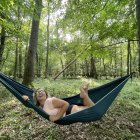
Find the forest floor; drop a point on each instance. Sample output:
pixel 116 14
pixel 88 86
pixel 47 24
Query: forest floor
pixel 121 122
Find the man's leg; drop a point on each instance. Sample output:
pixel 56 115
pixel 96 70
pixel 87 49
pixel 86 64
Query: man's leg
pixel 87 102
pixel 84 95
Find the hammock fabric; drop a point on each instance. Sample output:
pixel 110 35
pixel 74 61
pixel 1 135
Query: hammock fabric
pixel 102 96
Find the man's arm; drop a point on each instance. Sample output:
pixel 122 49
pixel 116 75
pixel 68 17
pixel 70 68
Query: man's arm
pixel 62 105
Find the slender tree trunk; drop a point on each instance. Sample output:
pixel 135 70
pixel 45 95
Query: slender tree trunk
pixel 111 68
pixel 134 62
pixel 4 60
pixel 130 61
pixel 121 64
pixel 128 58
pixel 18 48
pixel 104 66
pixel 138 23
pixel 93 72
pixel 20 61
pixel 115 61
pixel 139 57
pixel 75 66
pixel 86 68
pixel 37 65
pixel 75 69
pixel 100 65
pixel 16 60
pixel 48 39
pixel 62 65
pixel 31 56
pixel 26 48
pixel 2 45
pixel 83 69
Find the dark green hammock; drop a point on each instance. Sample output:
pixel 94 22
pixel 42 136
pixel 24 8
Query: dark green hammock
pixel 102 96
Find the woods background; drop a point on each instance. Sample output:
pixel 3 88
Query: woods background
pixel 40 38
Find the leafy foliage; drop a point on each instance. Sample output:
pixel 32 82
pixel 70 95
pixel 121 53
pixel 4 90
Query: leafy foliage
pixel 75 26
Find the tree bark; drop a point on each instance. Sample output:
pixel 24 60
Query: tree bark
pixel 121 64
pixel 20 61
pixel 38 66
pixel 115 62
pixel 104 69
pixel 48 43
pixel 75 69
pixel 139 57
pixel 86 68
pixel 19 49
pixel 2 45
pixel 93 72
pixel 138 24
pixel 16 61
pixel 111 66
pixel 4 60
pixel 63 73
pixel 75 66
pixel 31 56
pixel 128 58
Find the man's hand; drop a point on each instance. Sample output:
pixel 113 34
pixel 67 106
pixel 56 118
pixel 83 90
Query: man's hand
pixel 26 98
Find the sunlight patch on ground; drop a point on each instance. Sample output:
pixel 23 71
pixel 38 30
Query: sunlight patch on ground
pixel 9 102
pixel 135 105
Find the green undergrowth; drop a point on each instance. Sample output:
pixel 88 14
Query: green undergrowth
pixel 121 122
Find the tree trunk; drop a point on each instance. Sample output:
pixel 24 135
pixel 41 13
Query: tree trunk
pixel 93 72
pixel 100 66
pixel 16 61
pixel 139 57
pixel 128 58
pixel 115 61
pixel 38 65
pixel 63 73
pixel 138 23
pixel 48 39
pixel 75 66
pixel 86 68
pixel 2 45
pixel 75 69
pixel 4 60
pixel 121 64
pixel 31 56
pixel 104 70
pixel 134 61
pixel 18 48
pixel 111 66
pixel 130 61
pixel 20 61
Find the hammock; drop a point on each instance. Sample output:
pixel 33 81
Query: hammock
pixel 102 96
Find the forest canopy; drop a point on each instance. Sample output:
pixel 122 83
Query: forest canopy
pixel 39 38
